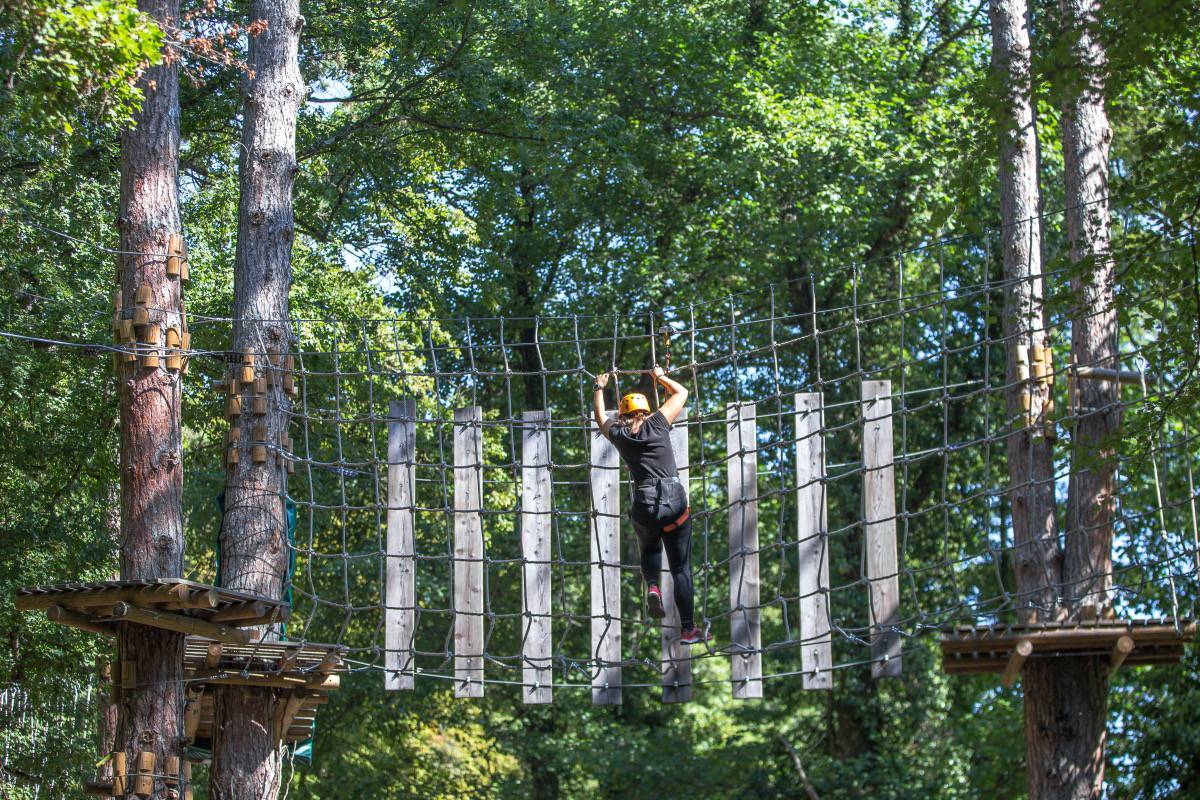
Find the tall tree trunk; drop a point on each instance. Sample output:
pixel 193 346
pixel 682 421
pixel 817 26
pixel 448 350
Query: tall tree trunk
pixel 1086 135
pixel 1071 730
pixel 151 443
pixel 254 548
pixel 1037 559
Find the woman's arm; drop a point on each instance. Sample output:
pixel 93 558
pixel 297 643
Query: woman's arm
pixel 602 419
pixel 677 395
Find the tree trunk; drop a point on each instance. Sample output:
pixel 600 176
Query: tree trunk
pixel 151 443
pixel 254 548
pixel 1075 723
pixel 1086 135
pixel 1037 559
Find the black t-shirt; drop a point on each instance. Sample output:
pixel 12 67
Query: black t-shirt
pixel 648 452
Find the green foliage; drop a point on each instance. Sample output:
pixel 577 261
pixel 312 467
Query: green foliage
pixel 63 58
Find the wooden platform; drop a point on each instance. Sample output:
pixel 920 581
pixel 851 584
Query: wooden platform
pixel 193 608
pixel 1005 648
pixel 306 672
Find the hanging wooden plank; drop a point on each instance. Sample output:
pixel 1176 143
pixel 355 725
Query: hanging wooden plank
pixel 676 658
pixel 468 552
pixel 745 636
pixel 879 528
pixel 606 571
pixel 400 579
pixel 812 533
pixel 537 644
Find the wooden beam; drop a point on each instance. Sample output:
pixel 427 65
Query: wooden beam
pixel 400 583
pixel 812 534
pixel 879 528
pixel 468 552
pixel 537 644
pixel 676 657
pixel 605 552
pixel 1132 377
pixel 745 635
pixel 212 656
pixel 321 683
pixel 1121 650
pixel 250 609
pixel 105 596
pixel 175 622
pixel 197 599
pixel 64 616
pixel 287 714
pixel 1015 661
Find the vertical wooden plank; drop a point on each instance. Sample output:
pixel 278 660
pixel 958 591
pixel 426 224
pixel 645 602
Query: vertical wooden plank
pixel 879 528
pixel 745 635
pixel 468 552
pixel 812 533
pixel 676 658
pixel 606 571
pixel 400 586
pixel 536 642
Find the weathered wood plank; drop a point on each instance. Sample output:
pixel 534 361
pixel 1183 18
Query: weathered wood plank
pixel 468 552
pixel 400 579
pixel 879 528
pixel 536 643
pixel 606 571
pixel 676 658
pixel 745 635
pixel 812 533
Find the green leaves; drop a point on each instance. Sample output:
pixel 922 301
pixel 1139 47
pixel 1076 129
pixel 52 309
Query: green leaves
pixel 70 62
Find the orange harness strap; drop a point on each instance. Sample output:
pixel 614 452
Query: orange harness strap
pixel 682 519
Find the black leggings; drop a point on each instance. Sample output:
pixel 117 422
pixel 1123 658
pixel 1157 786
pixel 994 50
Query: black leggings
pixel 678 544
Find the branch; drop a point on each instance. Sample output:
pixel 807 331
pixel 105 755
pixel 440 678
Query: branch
pixel 808 787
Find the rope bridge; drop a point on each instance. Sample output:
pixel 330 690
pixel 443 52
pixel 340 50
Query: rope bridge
pixel 844 450
pixel 458 517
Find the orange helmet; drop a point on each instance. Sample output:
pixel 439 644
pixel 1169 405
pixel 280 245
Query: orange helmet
pixel 634 401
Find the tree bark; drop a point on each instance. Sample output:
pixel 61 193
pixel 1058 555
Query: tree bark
pixel 151 443
pixel 254 548
pixel 1037 559
pixel 1086 135
pixel 1071 724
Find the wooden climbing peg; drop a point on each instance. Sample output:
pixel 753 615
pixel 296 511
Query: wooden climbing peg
pixel 120 783
pixel 171 778
pixel 247 371
pixel 258 405
pixel 144 783
pixel 233 408
pixel 149 353
pixel 258 453
pixel 174 356
pixel 174 254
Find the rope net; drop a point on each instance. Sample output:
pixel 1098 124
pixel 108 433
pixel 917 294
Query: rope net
pixel 927 322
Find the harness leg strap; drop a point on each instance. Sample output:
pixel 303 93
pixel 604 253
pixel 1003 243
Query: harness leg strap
pixel 682 519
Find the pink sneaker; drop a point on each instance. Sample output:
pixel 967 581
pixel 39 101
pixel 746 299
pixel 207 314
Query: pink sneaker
pixel 694 635
pixel 655 602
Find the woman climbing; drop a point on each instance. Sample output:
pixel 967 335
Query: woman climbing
pixel 660 504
